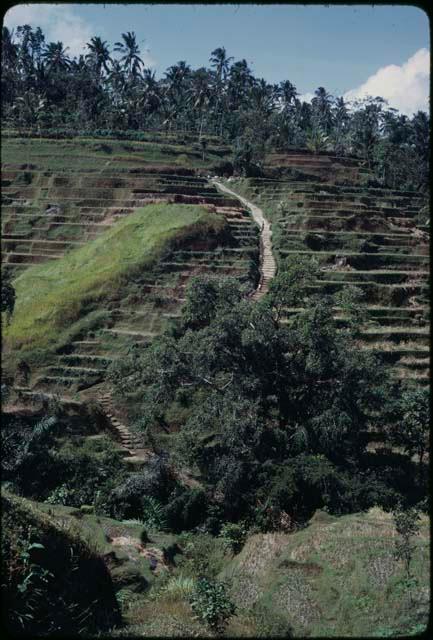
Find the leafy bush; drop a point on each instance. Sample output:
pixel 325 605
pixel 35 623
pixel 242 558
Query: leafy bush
pixel 141 491
pixel 153 515
pixel 223 168
pixel 234 536
pixel 85 470
pixel 27 448
pixel 407 527
pixel 411 428
pixel 247 158
pixel 8 294
pixel 269 624
pixel 211 604
pixel 186 510
pixel 203 554
pixel 60 495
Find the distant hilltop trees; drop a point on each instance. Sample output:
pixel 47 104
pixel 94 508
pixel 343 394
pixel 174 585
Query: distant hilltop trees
pixel 111 89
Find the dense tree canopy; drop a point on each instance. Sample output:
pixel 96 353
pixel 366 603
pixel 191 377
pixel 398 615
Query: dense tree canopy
pixel 275 415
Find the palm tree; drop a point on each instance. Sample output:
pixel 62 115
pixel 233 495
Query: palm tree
pixel 263 97
pixel 240 82
pixel 175 78
pixel 220 62
pixel 129 48
pixel 116 83
pixel 99 55
pixel 419 139
pixel 151 97
pixel 321 103
pixel 366 125
pixel 30 109
pixel 200 93
pixel 340 126
pixel 9 51
pixel 9 77
pixel 420 133
pixel 175 82
pixel 55 57
pixel 288 94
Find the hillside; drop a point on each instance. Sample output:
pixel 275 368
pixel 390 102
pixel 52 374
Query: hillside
pixel 318 205
pixel 374 239
pixel 204 391
pixel 77 283
pixel 335 576
pixel 82 236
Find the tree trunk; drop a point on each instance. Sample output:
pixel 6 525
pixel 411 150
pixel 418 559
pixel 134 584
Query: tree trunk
pixel 201 125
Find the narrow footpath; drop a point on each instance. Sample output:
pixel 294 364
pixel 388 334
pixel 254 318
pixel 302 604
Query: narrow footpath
pixel 268 266
pixel 135 454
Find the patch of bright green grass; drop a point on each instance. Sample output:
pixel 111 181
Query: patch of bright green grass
pixel 51 297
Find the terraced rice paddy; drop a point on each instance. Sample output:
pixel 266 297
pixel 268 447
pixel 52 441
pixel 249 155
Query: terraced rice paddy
pixel 366 237
pixel 317 204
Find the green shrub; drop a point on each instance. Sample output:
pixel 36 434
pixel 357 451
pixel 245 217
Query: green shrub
pixel 186 510
pixel 153 515
pixel 138 495
pixel 234 536
pixel 60 495
pixel 211 604
pixel 28 460
pixel 85 470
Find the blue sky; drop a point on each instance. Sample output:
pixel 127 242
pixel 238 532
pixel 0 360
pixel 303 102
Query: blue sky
pixel 339 47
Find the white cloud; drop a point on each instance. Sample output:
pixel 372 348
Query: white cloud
pixel 405 87
pixel 61 22
pixel 58 22
pixel 306 97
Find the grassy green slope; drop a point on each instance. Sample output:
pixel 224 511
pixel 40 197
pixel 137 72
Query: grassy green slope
pixel 53 296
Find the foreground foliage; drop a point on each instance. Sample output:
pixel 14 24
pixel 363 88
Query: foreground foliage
pixel 210 603
pixel 51 581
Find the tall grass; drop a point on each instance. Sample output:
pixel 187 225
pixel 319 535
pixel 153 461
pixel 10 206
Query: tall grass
pixel 179 588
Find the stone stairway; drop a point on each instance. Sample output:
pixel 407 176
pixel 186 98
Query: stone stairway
pixel 135 454
pixel 268 265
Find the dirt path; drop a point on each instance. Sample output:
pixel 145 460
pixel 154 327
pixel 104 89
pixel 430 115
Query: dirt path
pixel 268 267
